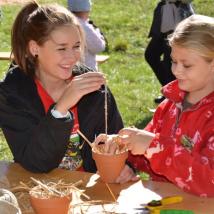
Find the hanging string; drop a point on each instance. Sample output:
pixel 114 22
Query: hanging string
pixel 106 113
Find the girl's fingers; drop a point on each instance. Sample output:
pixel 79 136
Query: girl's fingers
pixel 88 90
pixel 126 175
pixel 112 148
pixel 110 145
pixel 106 148
pixel 88 79
pixel 85 87
pixel 127 131
pixel 90 76
pixel 89 87
pixel 93 74
pixel 135 178
pixel 124 139
pixel 100 138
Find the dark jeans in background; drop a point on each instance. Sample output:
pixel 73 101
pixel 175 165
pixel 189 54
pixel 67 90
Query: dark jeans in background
pixel 157 55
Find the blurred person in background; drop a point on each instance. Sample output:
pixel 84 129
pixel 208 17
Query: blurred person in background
pixel 95 40
pixel 167 15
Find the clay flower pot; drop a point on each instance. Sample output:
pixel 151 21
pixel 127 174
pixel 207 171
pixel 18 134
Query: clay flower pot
pixel 53 205
pixel 109 166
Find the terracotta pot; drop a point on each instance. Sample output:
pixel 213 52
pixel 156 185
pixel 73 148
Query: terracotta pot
pixel 109 166
pixel 54 205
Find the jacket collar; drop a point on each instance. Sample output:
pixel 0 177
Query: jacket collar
pixel 176 95
pixel 173 92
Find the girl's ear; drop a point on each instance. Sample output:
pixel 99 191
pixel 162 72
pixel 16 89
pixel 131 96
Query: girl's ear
pixel 33 48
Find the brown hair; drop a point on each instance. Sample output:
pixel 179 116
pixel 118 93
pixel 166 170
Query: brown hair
pixel 196 33
pixel 35 22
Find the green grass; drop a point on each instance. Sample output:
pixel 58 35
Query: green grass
pixel 126 24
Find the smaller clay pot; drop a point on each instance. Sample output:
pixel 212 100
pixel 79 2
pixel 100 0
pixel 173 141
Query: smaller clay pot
pixel 109 166
pixel 54 205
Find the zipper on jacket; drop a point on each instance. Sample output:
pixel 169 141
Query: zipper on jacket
pixel 178 116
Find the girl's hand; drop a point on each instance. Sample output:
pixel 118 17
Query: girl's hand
pixel 108 141
pixel 110 146
pixel 126 175
pixel 136 140
pixel 77 88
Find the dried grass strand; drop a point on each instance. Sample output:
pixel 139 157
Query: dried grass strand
pixel 85 138
pixel 112 194
pixel 47 188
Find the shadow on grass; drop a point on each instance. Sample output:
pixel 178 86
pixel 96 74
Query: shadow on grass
pixel 142 123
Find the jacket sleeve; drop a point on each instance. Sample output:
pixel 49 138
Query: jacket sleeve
pixel 94 39
pixel 38 142
pixel 140 162
pixel 192 173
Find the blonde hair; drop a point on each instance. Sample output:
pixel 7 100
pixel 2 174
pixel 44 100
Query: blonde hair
pixel 35 22
pixel 196 33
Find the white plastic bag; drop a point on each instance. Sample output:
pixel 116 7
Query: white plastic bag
pixel 8 203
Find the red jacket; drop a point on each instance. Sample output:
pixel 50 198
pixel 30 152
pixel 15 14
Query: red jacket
pixel 183 149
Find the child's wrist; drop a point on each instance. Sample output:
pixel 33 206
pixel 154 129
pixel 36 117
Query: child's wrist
pixel 57 114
